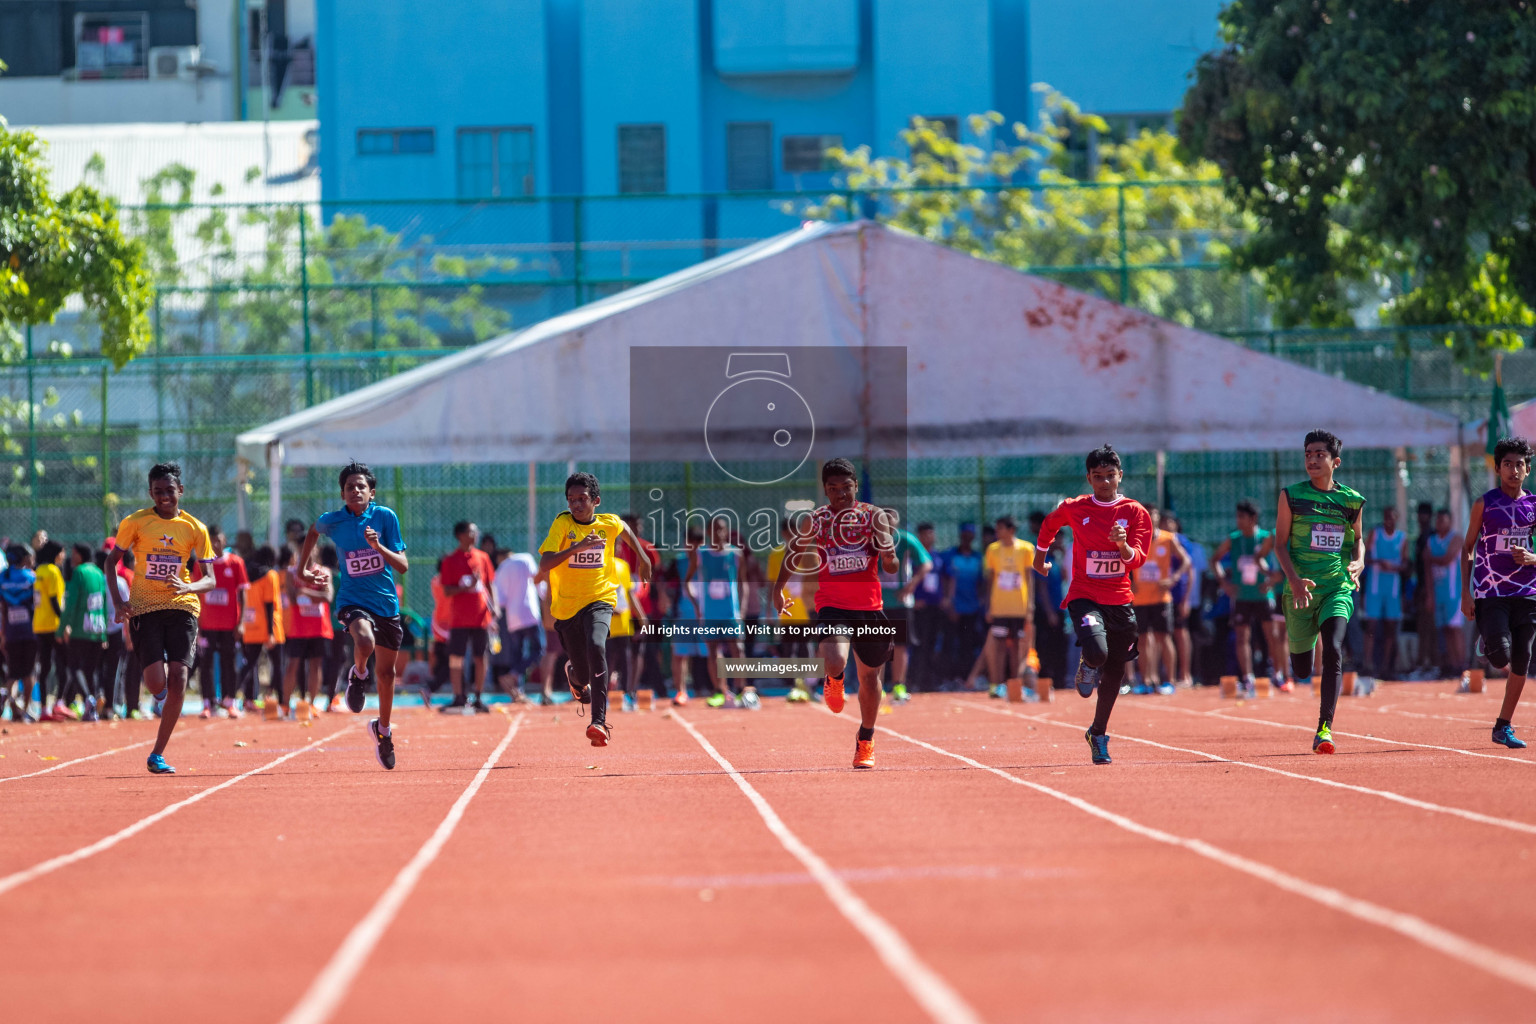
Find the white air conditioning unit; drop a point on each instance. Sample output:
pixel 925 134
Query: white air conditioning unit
pixel 173 61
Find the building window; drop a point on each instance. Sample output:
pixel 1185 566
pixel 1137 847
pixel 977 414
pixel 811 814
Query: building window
pixel 748 156
pixel 807 154
pixel 111 44
pixel 395 141
pixel 642 158
pixel 1086 148
pixel 495 162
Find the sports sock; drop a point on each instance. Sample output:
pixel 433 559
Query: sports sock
pixel 1500 723
pixel 865 735
pixel 385 730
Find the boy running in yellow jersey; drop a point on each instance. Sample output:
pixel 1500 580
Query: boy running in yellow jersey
pixel 577 554
pixel 798 596
pixel 1010 606
pixel 163 604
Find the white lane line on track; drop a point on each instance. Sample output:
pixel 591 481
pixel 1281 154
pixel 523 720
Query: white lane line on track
pixel 10 882
pixel 330 986
pixel 88 757
pixel 1351 735
pixel 922 982
pixel 78 760
pixel 1385 794
pixel 1501 965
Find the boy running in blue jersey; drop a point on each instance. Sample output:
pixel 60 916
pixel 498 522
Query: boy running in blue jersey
pixel 367 538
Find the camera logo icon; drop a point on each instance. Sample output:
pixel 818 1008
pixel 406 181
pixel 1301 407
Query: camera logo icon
pixel 759 424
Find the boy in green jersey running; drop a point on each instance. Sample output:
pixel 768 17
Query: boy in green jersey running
pixel 1322 556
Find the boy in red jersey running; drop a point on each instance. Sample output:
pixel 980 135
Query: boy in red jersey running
pixel 841 542
pixel 1110 537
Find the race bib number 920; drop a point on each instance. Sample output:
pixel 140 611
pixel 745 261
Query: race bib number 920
pixel 364 562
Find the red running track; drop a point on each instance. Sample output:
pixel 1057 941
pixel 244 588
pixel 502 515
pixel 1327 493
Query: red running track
pixel 729 865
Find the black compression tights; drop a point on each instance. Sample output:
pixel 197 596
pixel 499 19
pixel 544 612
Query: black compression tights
pixel 1332 635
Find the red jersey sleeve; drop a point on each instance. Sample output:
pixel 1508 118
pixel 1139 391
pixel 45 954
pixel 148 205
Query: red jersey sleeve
pixel 1138 535
pixel 1051 527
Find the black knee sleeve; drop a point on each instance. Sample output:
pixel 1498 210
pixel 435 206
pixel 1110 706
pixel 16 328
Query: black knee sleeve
pixel 1497 651
pixel 1301 665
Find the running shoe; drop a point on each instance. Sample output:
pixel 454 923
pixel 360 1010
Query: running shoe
pixel 1141 689
pixel 832 695
pixel 384 745
pixel 89 714
pixel 1505 736
pixel 64 713
pixel 134 714
pixel 899 693
pixel 681 698
pixel 1087 679
pixel 997 692
pixel 479 706
pixel 749 699
pixel 157 765
pixel 715 700
pixel 1099 745
pixel 1322 743
pixel 628 703
pixel 578 692
pixel 599 734
pixel 1125 688
pixel 207 712
pixel 357 692
pixel 1166 689
pixel 1284 685
pixel 864 754
pixel 798 694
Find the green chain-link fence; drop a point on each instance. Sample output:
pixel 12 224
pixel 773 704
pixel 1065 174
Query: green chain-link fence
pixel 263 311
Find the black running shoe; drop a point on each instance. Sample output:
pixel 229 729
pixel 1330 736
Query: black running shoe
pixel 480 708
pixel 1099 745
pixel 1087 679
pixel 357 692
pixel 454 707
pixel 384 745
pixel 582 694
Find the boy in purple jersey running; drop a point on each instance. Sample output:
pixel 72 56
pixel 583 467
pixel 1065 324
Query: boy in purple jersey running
pixel 1499 576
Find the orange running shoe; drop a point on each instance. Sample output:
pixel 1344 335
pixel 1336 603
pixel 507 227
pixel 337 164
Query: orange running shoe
pixel 680 698
pixel 864 754
pixel 832 695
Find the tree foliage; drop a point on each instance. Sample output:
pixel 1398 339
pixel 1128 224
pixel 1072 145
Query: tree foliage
pixel 53 247
pixel 1145 228
pixel 1384 142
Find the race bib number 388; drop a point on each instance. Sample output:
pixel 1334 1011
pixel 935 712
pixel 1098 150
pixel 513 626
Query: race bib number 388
pixel 162 567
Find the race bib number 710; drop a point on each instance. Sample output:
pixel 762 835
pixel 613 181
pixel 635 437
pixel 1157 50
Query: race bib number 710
pixel 1103 565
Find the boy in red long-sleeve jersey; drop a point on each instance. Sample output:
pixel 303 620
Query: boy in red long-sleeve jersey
pixel 1110 537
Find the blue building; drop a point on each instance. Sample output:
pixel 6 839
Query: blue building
pixel 491 107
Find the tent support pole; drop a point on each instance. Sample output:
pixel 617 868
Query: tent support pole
pixel 533 503
pixel 275 494
pixel 1162 481
pixel 242 473
pixel 1458 491
pixel 1400 482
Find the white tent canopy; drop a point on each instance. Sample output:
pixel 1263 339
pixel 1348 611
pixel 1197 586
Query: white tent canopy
pixel 998 362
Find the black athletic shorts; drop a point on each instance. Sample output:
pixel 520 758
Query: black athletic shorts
pixel 304 647
pixel 388 630
pixel 166 635
pixel 872 652
pixel 1117 621
pixel 467 640
pixel 1252 613
pixel 1154 618
pixel 20 658
pixel 1006 627
pixel 1496 616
